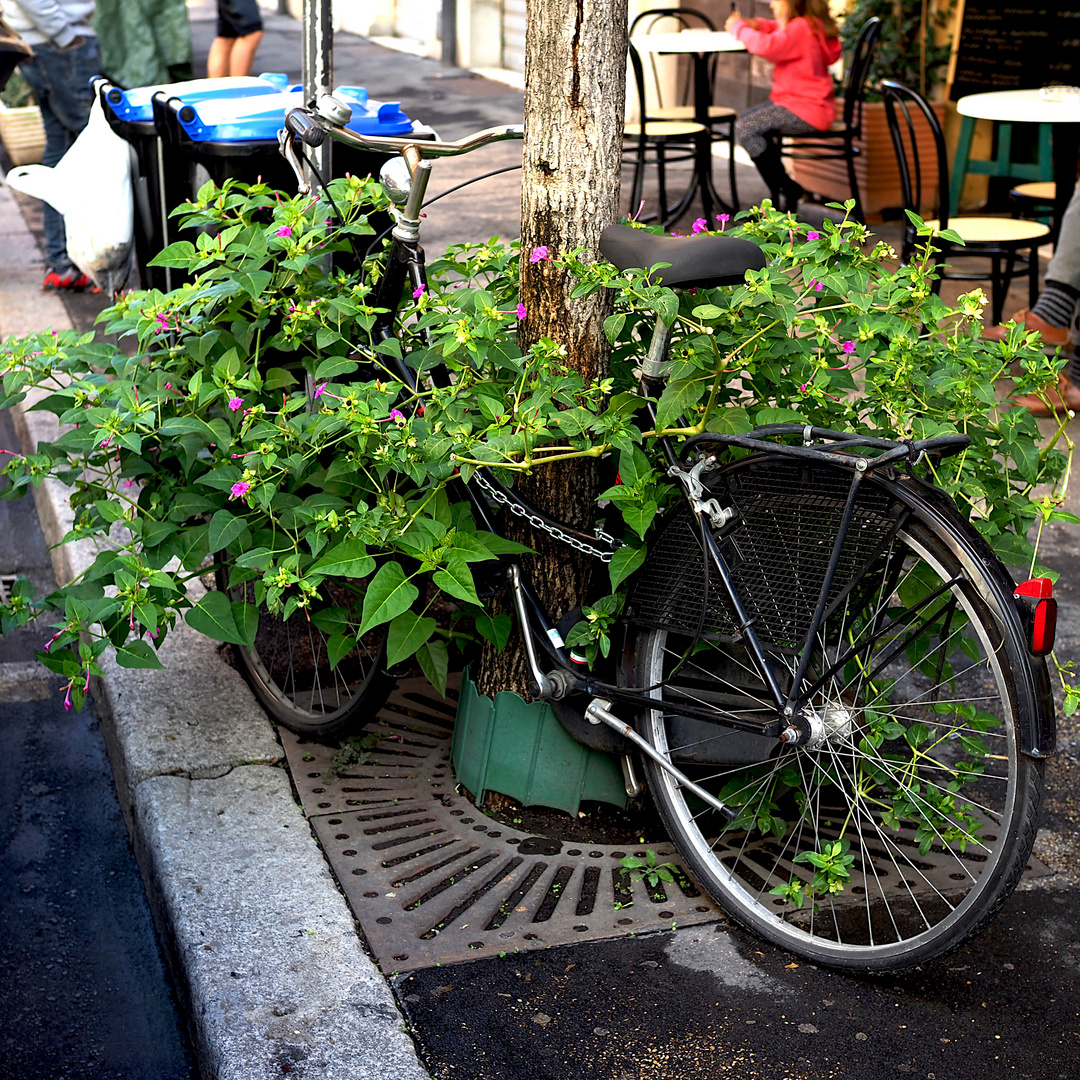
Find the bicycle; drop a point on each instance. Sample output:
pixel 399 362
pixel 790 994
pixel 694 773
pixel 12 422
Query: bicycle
pixel 838 692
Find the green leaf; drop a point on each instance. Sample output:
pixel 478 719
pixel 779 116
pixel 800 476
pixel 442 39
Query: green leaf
pixel 333 366
pixel 407 633
pixel 494 628
pixel 181 254
pixel 347 559
pixel 623 563
pixel 338 646
pixel 456 579
pixel 678 398
pixel 213 616
pixel 435 663
pixel 137 654
pixel 224 529
pixel 388 595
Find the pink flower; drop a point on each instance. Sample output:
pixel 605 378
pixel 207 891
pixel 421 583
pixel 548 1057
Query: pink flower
pixel 419 291
pixel 128 483
pixel 236 403
pixel 699 226
pixel 539 254
pixel 816 286
pixel 396 414
pixel 723 219
pixel 67 698
pixel 813 235
pixel 240 489
pixel 284 231
pixel 319 389
pixel 521 312
pixel 848 346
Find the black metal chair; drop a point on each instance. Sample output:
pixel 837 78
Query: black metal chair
pixel 681 105
pixel 838 143
pixel 663 138
pixel 1001 240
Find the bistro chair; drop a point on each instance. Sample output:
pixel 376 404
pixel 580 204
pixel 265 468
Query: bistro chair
pixel 678 104
pixel 1034 199
pixel 838 143
pixel 667 141
pixel 1001 240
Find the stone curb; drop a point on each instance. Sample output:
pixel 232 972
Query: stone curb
pixel 263 947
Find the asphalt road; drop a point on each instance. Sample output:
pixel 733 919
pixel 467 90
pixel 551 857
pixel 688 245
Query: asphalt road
pixel 83 993
pixel 705 1003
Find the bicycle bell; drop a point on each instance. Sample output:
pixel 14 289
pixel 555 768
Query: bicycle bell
pixel 396 179
pixel 333 109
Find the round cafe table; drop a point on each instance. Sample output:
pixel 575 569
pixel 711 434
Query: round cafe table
pixel 700 45
pixel 1062 110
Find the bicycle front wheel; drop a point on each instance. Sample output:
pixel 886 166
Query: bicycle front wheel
pixel 906 822
pixel 299 669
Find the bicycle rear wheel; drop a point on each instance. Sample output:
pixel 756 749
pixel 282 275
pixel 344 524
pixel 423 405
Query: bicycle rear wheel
pixel 289 667
pixel 905 825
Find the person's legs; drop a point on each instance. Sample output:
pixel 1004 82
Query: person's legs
pixel 756 132
pixel 239 31
pixel 60 80
pixel 219 58
pixel 243 53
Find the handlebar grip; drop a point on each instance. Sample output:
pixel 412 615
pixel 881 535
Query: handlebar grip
pixel 300 124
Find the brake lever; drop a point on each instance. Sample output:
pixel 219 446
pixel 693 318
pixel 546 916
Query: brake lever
pixel 288 152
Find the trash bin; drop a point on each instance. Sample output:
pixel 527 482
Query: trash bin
pixel 237 138
pixel 158 189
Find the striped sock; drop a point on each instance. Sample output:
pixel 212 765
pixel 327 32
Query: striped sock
pixel 1056 303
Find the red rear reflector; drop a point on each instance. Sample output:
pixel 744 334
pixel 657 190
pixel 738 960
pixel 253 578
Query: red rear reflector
pixel 1043 614
pixel 1038 587
pixel 1044 627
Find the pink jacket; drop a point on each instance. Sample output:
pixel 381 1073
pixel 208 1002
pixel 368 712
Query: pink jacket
pixel 801 55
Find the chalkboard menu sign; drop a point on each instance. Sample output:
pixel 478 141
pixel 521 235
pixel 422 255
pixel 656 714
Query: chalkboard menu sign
pixel 1006 45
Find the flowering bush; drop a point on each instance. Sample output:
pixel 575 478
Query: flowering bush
pixel 256 422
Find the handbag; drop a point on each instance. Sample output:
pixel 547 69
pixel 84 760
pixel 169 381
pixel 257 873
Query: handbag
pixel 12 50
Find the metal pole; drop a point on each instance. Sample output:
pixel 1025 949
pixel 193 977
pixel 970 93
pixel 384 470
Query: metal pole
pixel 317 66
pixel 448 32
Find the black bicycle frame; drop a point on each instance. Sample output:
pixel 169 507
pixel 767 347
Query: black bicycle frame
pixel 406 267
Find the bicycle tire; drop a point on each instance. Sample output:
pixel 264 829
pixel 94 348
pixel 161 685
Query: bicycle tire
pixel 289 671
pixel 907 714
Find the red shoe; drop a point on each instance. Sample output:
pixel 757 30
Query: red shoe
pixel 1051 335
pixel 70 280
pixel 1065 397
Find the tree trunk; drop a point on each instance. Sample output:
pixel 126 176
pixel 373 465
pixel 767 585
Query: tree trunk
pixel 575 84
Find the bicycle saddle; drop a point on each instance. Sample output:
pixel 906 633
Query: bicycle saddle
pixel 702 262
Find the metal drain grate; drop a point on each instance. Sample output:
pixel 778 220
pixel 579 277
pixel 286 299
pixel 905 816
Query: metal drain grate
pixel 432 880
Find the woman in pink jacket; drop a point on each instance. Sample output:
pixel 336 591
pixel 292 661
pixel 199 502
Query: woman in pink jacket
pixel 801 44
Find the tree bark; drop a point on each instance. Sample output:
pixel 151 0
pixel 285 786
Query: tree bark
pixel 575 84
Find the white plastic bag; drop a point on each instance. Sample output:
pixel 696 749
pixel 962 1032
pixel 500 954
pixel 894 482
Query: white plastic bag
pixel 91 187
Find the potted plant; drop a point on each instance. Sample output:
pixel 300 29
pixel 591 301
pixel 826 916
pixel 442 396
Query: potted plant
pixel 908 50
pixel 21 128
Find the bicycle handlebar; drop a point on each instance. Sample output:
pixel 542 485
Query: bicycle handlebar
pixel 312 128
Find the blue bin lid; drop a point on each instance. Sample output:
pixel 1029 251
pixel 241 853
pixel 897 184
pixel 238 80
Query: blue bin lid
pixel 134 105
pixel 260 118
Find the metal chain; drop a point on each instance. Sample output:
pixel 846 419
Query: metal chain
pixel 604 554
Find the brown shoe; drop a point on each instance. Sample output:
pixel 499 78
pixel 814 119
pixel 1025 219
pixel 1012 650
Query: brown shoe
pixel 1051 335
pixel 1065 397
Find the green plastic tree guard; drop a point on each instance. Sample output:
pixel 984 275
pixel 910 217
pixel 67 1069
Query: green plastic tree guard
pixel 520 749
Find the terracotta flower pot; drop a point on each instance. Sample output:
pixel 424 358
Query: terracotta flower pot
pixel 23 134
pixel 875 167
